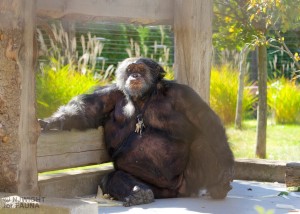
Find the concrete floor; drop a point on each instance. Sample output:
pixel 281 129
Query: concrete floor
pixel 244 198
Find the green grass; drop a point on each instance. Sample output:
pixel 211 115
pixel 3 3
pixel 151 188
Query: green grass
pixel 283 141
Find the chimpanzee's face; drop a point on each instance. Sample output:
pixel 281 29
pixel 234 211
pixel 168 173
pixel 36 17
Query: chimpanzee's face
pixel 138 79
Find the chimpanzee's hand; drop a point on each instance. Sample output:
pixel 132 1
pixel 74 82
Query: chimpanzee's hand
pixel 49 125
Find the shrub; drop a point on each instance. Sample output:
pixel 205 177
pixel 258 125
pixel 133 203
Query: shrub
pixel 223 93
pixel 56 88
pixel 284 101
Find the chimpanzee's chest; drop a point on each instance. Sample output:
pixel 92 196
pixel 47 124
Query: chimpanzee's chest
pixel 156 115
pixel 160 121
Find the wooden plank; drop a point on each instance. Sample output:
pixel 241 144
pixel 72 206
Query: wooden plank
pixel 292 174
pixel 60 142
pixel 193 44
pixel 84 182
pixel 65 149
pixel 132 11
pixel 69 160
pixel 75 183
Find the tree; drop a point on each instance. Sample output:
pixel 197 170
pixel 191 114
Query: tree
pixel 258 23
pixel 242 70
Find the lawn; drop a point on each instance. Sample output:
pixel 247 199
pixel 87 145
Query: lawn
pixel 283 141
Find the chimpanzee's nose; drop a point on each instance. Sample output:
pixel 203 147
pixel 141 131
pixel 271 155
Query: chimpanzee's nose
pixel 135 75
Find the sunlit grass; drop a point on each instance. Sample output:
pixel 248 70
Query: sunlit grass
pixel 283 141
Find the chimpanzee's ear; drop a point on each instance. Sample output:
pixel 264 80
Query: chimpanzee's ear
pixel 161 72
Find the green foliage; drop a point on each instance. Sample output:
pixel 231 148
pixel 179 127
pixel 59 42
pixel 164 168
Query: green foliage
pixel 169 73
pixel 57 87
pixel 238 22
pixel 255 22
pixel 284 101
pixel 261 210
pixel 232 29
pixel 223 93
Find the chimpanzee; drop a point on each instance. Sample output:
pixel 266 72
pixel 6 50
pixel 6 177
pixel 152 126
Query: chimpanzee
pixel 164 140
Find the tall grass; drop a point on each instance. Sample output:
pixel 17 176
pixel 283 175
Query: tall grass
pixel 223 93
pixel 64 73
pixel 62 50
pixel 284 101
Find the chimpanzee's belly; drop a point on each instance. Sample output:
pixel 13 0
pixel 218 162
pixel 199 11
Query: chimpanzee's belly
pixel 155 159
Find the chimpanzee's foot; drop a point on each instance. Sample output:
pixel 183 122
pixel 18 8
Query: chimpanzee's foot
pixel 219 191
pixel 124 187
pixel 139 195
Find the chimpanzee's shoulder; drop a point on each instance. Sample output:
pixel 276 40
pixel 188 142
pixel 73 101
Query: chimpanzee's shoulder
pixel 174 88
pixel 109 90
pixel 182 95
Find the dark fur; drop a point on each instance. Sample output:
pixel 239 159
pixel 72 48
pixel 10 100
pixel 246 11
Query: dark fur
pixel 182 148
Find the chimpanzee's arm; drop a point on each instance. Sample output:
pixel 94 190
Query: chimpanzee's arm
pixel 211 162
pixel 84 111
pixel 207 123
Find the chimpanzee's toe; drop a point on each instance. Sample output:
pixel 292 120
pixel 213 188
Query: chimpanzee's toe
pixel 139 195
pixel 219 191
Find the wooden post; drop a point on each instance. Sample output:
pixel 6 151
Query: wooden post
pixel 19 127
pixel 193 44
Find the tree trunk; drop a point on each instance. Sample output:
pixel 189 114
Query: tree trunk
pixel 253 66
pixel 262 103
pixel 18 124
pixel 193 44
pixel 239 104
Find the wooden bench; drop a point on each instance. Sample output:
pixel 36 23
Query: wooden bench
pixel 66 149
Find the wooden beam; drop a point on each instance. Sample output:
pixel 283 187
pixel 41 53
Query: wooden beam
pixel 11 34
pixel 18 124
pixel 66 149
pixel 193 44
pixel 28 125
pixel 128 11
